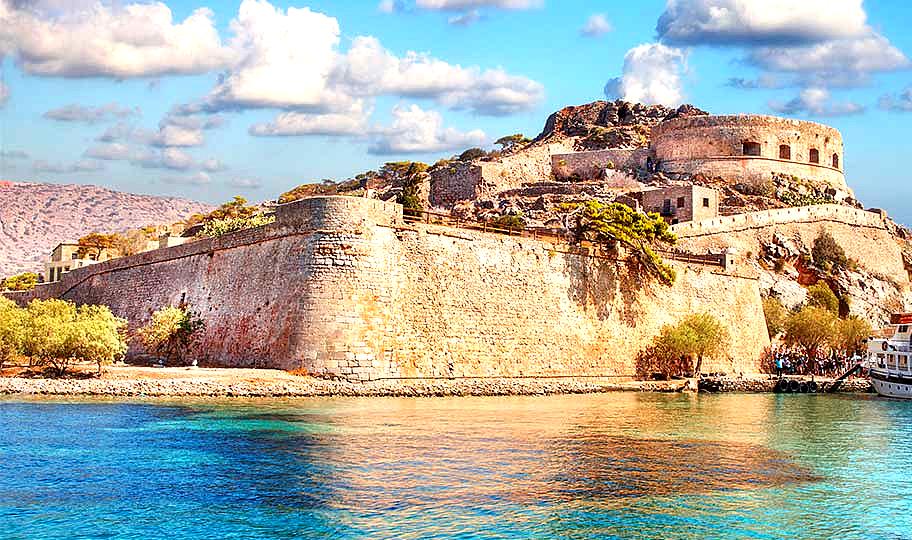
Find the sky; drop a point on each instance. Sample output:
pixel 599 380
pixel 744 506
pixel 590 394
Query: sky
pixel 207 99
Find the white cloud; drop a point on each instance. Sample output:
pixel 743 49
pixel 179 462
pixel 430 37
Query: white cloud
pixel 196 179
pixel 845 62
pixel 4 92
pixel 816 102
pixel 414 131
pixel 117 40
pixel 83 165
pixel 597 25
pixel 111 152
pixel 172 135
pixel 245 183
pixel 459 5
pixel 760 22
pixel 900 103
pixel 351 122
pixel 213 165
pixel 91 115
pixel 652 74
pixel 168 158
pixel 465 19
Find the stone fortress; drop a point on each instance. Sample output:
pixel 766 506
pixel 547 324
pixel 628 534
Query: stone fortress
pixel 346 287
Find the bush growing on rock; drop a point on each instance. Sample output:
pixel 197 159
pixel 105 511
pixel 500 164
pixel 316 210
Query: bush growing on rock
pixel 509 222
pixel 615 224
pixel 822 296
pixel 827 253
pixel 171 333
pixel 20 282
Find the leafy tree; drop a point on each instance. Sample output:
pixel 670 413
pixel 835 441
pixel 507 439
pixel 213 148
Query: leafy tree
pixel 97 335
pixel 850 335
pixel 21 282
pixel 811 329
pixel 827 253
pixel 47 338
pixel 775 314
pixel 11 330
pixel 218 227
pixel 681 349
pixel 171 332
pixel 95 243
pixel 820 295
pixel 472 154
pixel 615 224
pixel 233 209
pixel 511 141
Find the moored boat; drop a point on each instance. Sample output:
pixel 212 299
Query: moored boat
pixel 890 359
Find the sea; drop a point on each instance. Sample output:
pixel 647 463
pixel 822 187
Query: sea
pixel 620 465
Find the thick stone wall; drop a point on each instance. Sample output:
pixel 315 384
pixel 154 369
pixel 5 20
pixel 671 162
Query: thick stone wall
pixel 592 164
pixel 341 286
pixel 713 145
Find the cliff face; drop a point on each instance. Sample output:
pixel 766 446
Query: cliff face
pixel 34 218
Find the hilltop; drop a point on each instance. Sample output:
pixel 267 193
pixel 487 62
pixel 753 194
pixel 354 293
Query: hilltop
pixel 35 217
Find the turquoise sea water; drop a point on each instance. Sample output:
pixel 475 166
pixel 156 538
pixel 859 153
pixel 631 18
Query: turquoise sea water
pixel 597 466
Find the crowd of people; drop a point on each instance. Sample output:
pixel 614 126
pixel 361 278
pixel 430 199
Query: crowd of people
pixel 793 361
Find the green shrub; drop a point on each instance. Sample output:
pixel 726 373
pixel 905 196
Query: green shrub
pixel 820 295
pixel 472 154
pixel 680 349
pixel 510 222
pixel 12 322
pixel 218 227
pixel 775 314
pixel 21 282
pixel 171 333
pixel 811 329
pixel 827 254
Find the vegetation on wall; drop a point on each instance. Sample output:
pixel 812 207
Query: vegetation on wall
pixel 234 215
pixel 509 222
pixel 615 224
pixel 171 333
pixel 775 314
pixel 20 282
pixel 679 350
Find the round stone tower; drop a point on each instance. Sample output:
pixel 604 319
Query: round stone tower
pixel 750 147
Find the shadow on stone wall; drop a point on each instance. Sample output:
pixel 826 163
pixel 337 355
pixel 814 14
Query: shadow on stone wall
pixel 607 285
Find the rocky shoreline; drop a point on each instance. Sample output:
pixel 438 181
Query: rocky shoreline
pixel 289 387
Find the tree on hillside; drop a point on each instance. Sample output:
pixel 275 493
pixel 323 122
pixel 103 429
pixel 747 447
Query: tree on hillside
pixel 93 244
pixel 472 154
pixel 11 330
pixel 811 329
pixel 822 296
pixel 20 282
pixel 827 253
pixel 235 208
pixel 171 333
pixel 511 141
pixel 615 224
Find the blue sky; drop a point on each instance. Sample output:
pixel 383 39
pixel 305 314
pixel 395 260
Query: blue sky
pixel 207 99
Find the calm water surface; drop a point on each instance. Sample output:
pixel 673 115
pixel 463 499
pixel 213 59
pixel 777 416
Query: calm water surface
pixel 615 465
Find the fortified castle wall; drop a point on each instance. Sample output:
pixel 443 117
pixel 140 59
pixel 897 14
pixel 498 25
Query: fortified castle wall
pixel 341 286
pixel 750 147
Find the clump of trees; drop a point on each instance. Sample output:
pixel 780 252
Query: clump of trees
pixel 509 222
pixel 171 333
pixel 234 215
pixel 56 333
pixel 616 225
pixel 510 142
pixel 20 282
pixel 679 350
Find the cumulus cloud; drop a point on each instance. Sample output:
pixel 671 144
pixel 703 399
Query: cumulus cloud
pixel 351 122
pixel 245 183
pixel 111 152
pixel 83 165
pixel 596 26
pixel 91 115
pixel 97 39
pixel 897 103
pixel 845 62
pixel 213 165
pixel 652 74
pixel 166 158
pixel 766 22
pixel 414 131
pixel 196 179
pixel 816 102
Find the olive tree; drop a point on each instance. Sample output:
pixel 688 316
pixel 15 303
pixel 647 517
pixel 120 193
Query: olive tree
pixel 681 349
pixel 11 331
pixel 850 335
pixel 171 332
pixel 811 329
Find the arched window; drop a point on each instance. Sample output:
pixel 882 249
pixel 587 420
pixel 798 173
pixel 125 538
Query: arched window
pixel 785 151
pixel 835 161
pixel 815 155
pixel 750 148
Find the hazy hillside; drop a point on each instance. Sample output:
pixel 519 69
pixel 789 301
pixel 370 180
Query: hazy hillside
pixel 36 217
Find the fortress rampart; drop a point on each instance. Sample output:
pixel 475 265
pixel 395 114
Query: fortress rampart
pixel 748 147
pixel 341 286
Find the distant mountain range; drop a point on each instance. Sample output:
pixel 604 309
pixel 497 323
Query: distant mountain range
pixel 34 218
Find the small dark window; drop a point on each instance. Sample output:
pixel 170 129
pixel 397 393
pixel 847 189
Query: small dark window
pixel 785 151
pixel 680 202
pixel 75 256
pixel 705 202
pixel 836 161
pixel 750 148
pixel 815 155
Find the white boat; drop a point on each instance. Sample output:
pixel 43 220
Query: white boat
pixel 889 359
